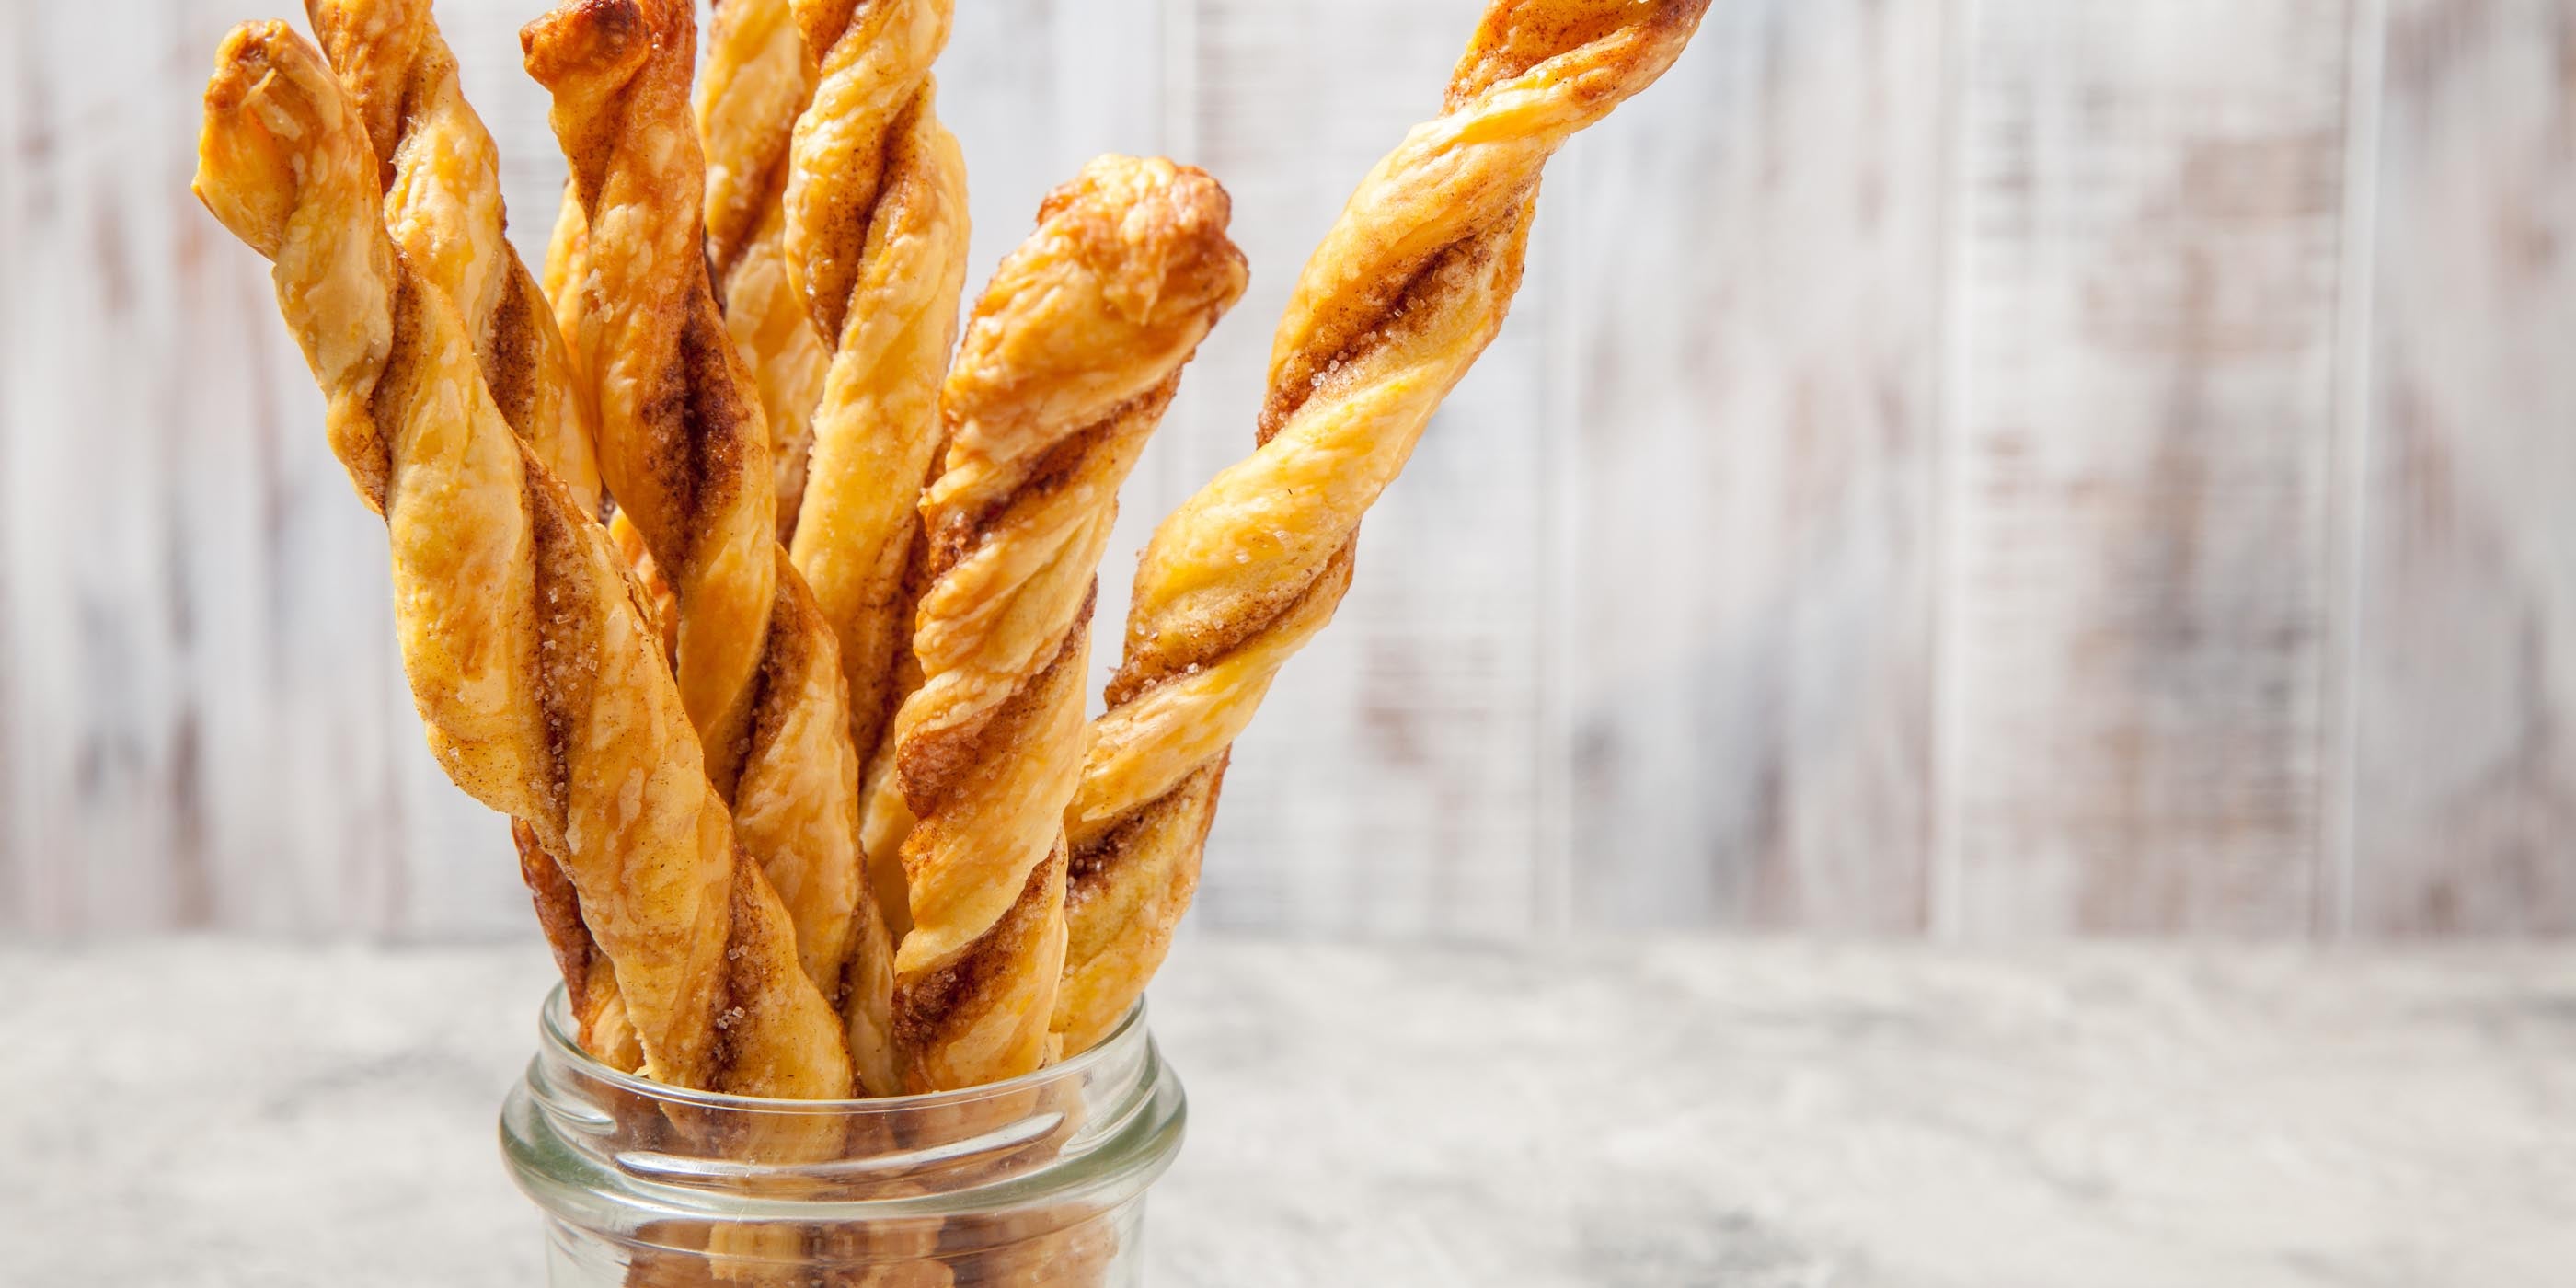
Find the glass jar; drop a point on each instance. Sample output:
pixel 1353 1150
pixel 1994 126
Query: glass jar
pixel 1036 1181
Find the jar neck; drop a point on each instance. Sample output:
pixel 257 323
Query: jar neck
pixel 600 1147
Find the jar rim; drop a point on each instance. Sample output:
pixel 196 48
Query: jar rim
pixel 565 1149
pixel 554 1029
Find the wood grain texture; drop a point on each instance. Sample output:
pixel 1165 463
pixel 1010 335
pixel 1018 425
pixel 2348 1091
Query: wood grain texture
pixel 2134 611
pixel 200 688
pixel 1976 467
pixel 2466 680
pixel 1749 478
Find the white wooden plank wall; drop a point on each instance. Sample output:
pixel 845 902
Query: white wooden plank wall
pixel 2466 675
pixel 1749 449
pixel 200 694
pixel 1391 784
pixel 1984 468
pixel 2148 204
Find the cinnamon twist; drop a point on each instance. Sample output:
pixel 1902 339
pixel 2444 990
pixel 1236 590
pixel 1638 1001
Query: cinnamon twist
pixel 754 83
pixel 877 226
pixel 1071 356
pixel 681 443
pixel 442 185
pixel 544 690
pixel 679 432
pixel 441 175
pixel 1405 292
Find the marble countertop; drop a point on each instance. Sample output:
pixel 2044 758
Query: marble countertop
pixel 1761 1115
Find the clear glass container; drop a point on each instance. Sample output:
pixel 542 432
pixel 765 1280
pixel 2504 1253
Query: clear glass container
pixel 1038 1180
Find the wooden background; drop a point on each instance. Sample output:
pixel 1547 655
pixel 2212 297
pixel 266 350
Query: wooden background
pixel 1984 468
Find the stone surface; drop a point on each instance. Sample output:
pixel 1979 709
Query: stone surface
pixel 215 1114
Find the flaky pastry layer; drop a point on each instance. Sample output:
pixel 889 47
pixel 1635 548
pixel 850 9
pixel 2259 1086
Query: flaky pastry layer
pixel 1070 358
pixel 752 84
pixel 1404 294
pixel 443 208
pixel 682 446
pixel 876 228
pixel 542 685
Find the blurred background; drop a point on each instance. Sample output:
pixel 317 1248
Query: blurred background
pixel 1977 469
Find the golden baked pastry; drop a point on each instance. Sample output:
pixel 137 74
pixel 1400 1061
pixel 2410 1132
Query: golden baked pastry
pixel 752 85
pixel 672 399
pixel 543 687
pixel 1401 298
pixel 442 178
pixel 564 269
pixel 1070 358
pixel 876 228
pixel 443 207
pixel 681 444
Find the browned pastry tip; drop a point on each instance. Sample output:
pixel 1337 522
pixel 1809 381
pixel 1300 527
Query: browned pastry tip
pixel 870 62
pixel 587 50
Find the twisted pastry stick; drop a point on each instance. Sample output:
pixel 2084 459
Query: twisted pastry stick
pixel 876 232
pixel 680 441
pixel 442 183
pixel 1401 298
pixel 441 175
pixel 755 82
pixel 1071 357
pixel 678 432
pixel 543 688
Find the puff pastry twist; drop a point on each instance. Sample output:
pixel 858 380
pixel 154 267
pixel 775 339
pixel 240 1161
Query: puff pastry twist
pixel 1395 305
pixel 544 689
pixel 442 182
pixel 754 82
pixel 877 230
pixel 442 205
pixel 1071 356
pixel 679 434
pixel 681 444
